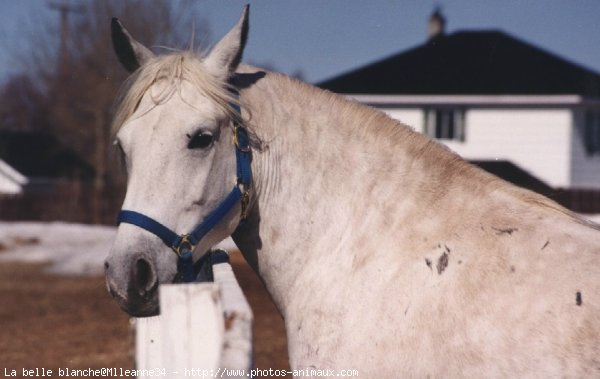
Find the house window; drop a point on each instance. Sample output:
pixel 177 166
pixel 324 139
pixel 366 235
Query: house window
pixel 591 135
pixel 445 123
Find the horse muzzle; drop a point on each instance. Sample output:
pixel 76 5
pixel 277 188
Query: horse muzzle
pixel 135 288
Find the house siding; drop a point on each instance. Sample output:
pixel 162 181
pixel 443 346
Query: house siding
pixel 537 140
pixel 11 181
pixel 8 186
pixel 585 168
pixel 415 118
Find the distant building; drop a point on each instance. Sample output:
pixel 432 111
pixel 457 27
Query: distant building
pixel 42 158
pixel 11 181
pixel 41 179
pixel 494 99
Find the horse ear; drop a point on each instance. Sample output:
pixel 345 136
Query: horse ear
pixel 225 57
pixel 130 52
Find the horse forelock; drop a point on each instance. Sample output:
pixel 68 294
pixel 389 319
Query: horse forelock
pixel 173 69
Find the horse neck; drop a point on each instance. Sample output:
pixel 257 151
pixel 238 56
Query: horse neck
pixel 330 171
pixel 320 141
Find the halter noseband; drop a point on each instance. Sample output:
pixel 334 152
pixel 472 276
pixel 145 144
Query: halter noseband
pixel 184 244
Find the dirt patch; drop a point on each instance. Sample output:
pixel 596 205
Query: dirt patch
pixel 54 321
pixel 50 321
pixel 26 241
pixel 18 242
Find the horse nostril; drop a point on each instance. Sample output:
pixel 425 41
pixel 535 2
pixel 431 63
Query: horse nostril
pixel 111 291
pixel 145 278
pixel 106 266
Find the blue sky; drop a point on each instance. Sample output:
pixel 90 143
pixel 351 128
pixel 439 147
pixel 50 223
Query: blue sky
pixel 322 38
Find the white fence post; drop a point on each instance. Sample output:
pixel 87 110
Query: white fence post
pixel 205 327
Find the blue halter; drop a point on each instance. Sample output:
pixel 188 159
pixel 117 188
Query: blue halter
pixel 184 244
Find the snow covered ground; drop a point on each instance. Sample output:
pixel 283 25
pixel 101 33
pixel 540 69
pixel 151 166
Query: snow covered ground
pixel 594 218
pixel 71 249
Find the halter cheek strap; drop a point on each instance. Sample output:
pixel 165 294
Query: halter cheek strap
pixel 184 244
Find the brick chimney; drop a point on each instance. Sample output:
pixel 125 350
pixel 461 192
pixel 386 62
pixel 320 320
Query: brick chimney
pixel 436 26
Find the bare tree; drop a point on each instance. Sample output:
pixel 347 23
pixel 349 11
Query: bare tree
pixel 22 106
pixel 78 74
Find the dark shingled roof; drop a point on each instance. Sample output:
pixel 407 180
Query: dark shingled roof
pixel 470 63
pixel 40 155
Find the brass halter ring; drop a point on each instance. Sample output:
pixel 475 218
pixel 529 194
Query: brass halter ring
pixel 184 244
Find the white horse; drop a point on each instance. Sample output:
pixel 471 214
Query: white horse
pixel 385 252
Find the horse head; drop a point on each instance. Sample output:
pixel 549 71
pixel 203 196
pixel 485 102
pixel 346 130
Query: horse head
pixel 174 127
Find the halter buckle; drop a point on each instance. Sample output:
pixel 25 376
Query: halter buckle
pixel 236 140
pixel 183 245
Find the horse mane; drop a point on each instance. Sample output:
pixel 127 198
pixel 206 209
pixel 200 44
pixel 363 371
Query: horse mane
pixel 368 122
pixel 174 68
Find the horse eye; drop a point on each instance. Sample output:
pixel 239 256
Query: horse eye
pixel 200 140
